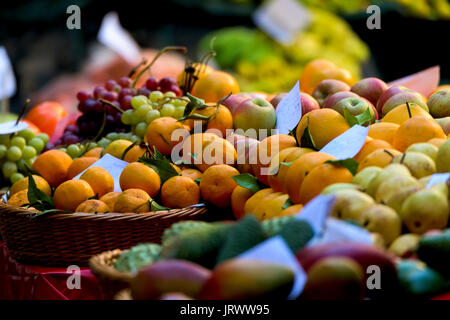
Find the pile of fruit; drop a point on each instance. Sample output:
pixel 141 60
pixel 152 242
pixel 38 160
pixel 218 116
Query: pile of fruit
pixel 212 144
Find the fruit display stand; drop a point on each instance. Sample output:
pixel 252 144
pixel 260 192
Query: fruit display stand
pixel 63 239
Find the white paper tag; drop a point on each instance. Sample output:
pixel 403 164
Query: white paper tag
pixel 317 211
pixel 114 36
pixel 113 165
pixel 275 250
pixel 7 79
pixel 289 111
pixel 282 19
pixel 5 197
pixel 340 231
pixel 438 177
pixel 11 127
pixel 348 144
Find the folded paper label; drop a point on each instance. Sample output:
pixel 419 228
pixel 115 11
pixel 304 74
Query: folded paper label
pixel 7 79
pixel 438 177
pixel 348 144
pixel 11 127
pixel 113 165
pixel 317 211
pixel 275 250
pixel 289 111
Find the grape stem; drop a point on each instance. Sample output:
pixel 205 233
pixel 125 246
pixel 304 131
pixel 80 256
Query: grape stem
pixel 183 50
pixel 111 105
pixel 167 99
pixel 135 69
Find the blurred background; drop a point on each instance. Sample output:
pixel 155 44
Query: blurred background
pixel 51 62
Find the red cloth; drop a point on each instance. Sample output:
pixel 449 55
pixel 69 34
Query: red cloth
pixel 24 282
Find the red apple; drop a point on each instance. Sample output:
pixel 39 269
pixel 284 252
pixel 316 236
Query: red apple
pixel 327 88
pixel 276 100
pixel 402 98
pixel 439 104
pixel 235 100
pixel 335 98
pixel 392 91
pixel 370 88
pixel 254 115
pixel 308 103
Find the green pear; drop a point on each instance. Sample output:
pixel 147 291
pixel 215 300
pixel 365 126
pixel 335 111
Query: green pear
pixel 390 186
pixel 349 204
pixel 340 186
pixel 441 187
pixel 364 177
pixel 405 244
pixel 419 164
pixel 396 200
pixel 425 148
pixel 388 171
pixel 424 181
pixel 444 123
pixel 378 240
pixel 425 210
pixel 383 220
pixel 443 157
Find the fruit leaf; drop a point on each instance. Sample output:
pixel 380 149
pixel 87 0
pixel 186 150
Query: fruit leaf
pixel 37 198
pixel 350 164
pixel 155 206
pixel 248 181
pixel 197 181
pixel 360 119
pixel 46 213
pixel 306 140
pixel 195 103
pixel 160 164
pixel 94 197
pixel 287 204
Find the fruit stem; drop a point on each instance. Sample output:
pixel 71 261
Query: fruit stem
pixel 183 50
pixel 111 105
pixel 22 111
pixel 389 153
pixel 409 109
pixel 402 158
pixel 135 69
pixel 102 127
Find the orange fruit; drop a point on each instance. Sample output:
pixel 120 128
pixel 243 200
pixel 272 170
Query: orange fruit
pixel 271 206
pixel 137 175
pixel 134 154
pixel 378 158
pixel 19 198
pixel 255 199
pixel 438 142
pixel 79 165
pixel 93 206
pixel 383 131
pixel 320 177
pixel 95 153
pixel 99 179
pixel 261 156
pixel 370 147
pixel 201 69
pixel 417 129
pixel 117 148
pixel 180 192
pixel 239 197
pixel 207 149
pixel 53 166
pixel 132 200
pixel 291 211
pixel 279 165
pixel 220 119
pixel 68 195
pixel 191 173
pixel 22 184
pixel 320 69
pixel 299 169
pixel 324 125
pixel 110 199
pixel 165 133
pixel 217 184
pixel 400 114
pixel 214 86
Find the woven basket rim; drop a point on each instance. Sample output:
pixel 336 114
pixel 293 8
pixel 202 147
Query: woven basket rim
pixel 100 265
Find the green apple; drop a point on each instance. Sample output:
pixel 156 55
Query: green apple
pixel 364 177
pixel 390 186
pixel 419 164
pixel 355 106
pixel 383 220
pixel 425 148
pixel 257 114
pixel 425 210
pixel 439 104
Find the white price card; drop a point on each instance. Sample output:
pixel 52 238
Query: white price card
pixel 276 250
pixel 317 211
pixel 282 19
pixel 340 231
pixel 348 144
pixel 114 36
pixel 438 177
pixel 7 79
pixel 113 165
pixel 289 111
pixel 11 127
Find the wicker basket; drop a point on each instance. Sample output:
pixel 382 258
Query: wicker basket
pixel 110 280
pixel 72 238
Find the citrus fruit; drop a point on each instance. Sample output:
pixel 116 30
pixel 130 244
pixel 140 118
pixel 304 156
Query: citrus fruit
pixel 53 166
pixel 78 165
pixel 93 206
pixel 132 200
pixel 22 184
pixel 180 192
pixel 99 179
pixel 217 184
pixel 68 195
pixel 137 175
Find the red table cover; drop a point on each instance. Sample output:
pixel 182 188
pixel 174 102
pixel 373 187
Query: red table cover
pixel 24 282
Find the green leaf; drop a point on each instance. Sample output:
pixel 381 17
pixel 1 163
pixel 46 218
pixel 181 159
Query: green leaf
pixel 362 119
pixel 195 103
pixel 46 213
pixel 37 198
pixel 350 164
pixel 94 197
pixel 248 181
pixel 306 140
pixel 287 204
pixel 155 206
pixel 160 164
pixel 197 181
